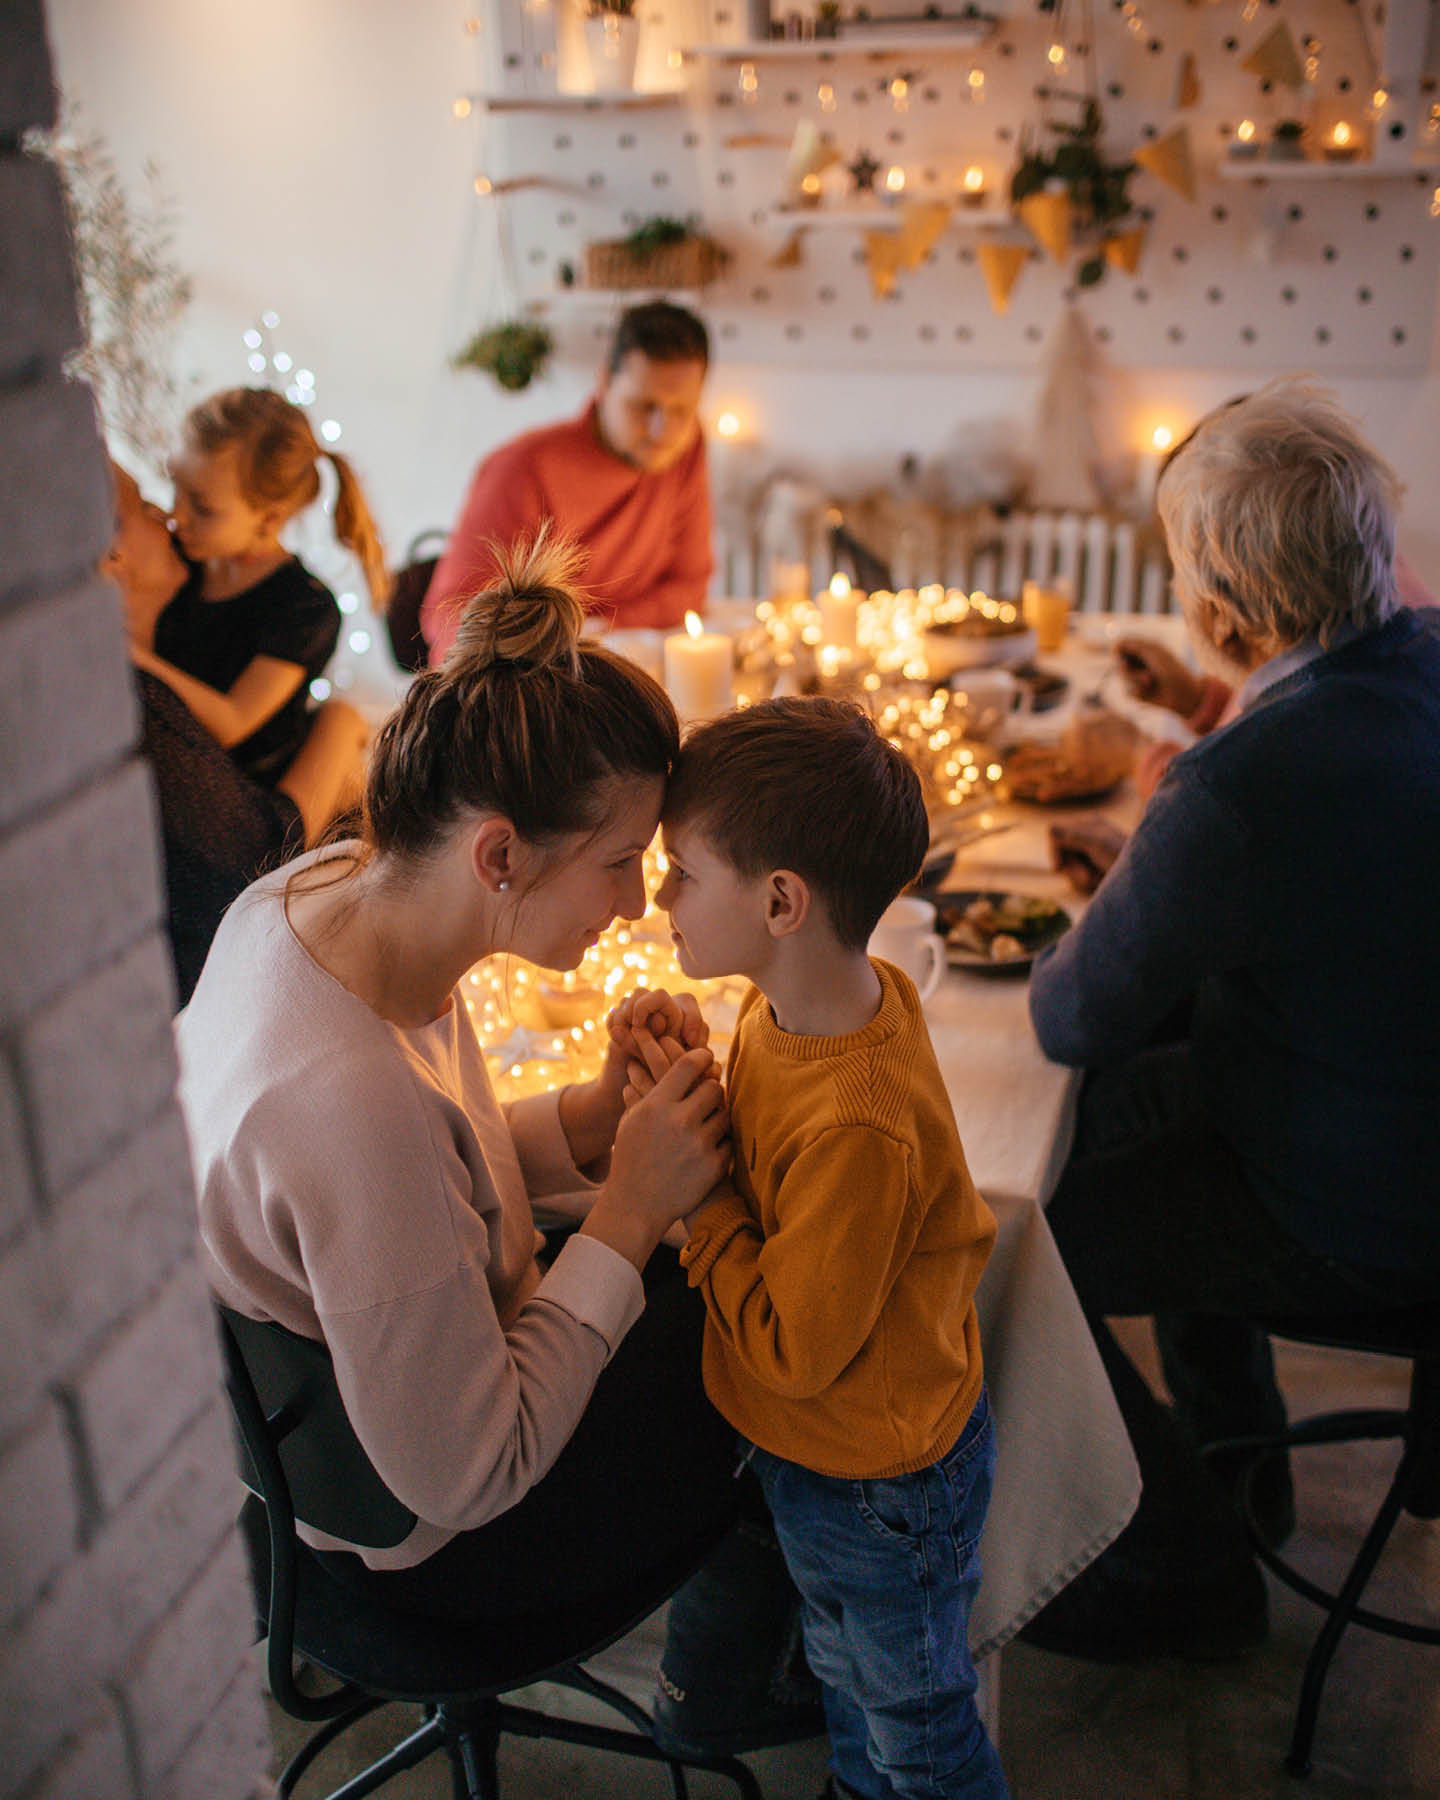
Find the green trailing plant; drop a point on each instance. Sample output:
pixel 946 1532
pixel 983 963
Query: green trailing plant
pixel 1098 189
pixel 131 292
pixel 514 352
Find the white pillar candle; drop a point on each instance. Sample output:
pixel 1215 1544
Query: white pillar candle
pixel 839 614
pixel 699 670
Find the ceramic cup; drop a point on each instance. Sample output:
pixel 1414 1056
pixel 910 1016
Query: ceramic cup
pixel 906 936
pixel 993 700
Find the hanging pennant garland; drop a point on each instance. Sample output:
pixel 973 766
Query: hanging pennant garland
pixel 882 257
pixel 1124 249
pixel 1276 58
pixel 1170 161
pixel 1047 216
pixel 920 228
pixel 1187 84
pixel 1000 264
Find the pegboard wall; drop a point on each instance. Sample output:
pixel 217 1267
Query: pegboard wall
pixel 1331 268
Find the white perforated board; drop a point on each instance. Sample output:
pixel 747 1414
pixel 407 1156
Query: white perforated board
pixel 1332 274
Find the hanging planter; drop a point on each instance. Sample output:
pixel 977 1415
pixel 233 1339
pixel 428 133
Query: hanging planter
pixel 514 352
pixel 1073 195
pixel 612 42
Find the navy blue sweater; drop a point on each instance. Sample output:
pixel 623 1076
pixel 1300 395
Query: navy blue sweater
pixel 1286 874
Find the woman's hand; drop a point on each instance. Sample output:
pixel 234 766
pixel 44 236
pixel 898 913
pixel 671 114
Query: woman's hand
pixel 1152 673
pixel 590 1111
pixel 671 1148
pixel 1083 850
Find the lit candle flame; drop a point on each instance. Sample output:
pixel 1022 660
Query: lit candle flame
pixel 728 425
pixel 1162 437
pixel 840 584
pixel 693 624
pixel 1340 137
pixel 1245 131
pixel 895 178
pixel 974 179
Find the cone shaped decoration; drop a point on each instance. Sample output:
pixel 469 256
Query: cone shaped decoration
pixel 1169 159
pixel 882 255
pixel 1001 264
pixel 1047 217
pixel 791 253
pixel 919 230
pixel 1275 58
pixel 1187 83
pixel 1124 249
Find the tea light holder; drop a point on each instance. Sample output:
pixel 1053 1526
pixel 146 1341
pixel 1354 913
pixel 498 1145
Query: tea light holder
pixel 1342 142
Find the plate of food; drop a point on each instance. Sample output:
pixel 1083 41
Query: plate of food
pixel 1086 763
pixel 992 930
pixel 976 640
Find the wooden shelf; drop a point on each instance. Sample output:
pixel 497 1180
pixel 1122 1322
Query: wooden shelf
pixel 949 40
pixel 634 102
pixel 889 218
pixel 1260 168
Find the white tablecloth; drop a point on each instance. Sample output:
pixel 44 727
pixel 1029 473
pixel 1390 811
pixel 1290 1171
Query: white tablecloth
pixel 1067 1481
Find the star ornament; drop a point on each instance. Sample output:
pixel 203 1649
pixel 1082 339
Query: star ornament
pixel 863 171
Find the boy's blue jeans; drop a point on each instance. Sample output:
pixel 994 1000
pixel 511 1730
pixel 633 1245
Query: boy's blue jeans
pixel 888 1570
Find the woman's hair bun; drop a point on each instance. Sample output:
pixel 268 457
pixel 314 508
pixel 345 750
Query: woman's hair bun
pixel 532 613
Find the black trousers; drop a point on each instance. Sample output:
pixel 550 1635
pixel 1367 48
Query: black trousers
pixel 1154 1216
pixel 649 1469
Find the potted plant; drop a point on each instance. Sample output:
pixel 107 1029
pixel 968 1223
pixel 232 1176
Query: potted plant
pixel 612 39
pixel 515 351
pixel 1286 143
pixel 1073 193
pixel 660 253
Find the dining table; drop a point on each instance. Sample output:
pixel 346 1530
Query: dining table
pixel 1066 1480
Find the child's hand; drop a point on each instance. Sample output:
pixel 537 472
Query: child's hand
pixel 672 1019
pixel 662 1015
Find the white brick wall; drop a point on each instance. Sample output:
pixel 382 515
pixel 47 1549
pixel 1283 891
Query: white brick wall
pixel 125 1621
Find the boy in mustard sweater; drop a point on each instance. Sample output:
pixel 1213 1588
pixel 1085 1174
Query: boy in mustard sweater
pixel 839 1263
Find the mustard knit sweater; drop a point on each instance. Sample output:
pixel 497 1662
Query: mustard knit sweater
pixel 839 1270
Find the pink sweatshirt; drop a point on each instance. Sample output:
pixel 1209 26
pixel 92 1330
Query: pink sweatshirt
pixel 361 1184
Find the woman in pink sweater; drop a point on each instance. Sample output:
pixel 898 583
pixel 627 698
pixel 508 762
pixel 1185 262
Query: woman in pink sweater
pixel 360 1183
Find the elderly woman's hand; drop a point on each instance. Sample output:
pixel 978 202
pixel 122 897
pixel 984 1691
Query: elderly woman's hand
pixel 1152 673
pixel 1083 850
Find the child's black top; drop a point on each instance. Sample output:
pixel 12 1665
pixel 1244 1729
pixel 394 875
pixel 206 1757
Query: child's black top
pixel 289 615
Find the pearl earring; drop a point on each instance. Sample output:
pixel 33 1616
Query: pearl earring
pixel 502 885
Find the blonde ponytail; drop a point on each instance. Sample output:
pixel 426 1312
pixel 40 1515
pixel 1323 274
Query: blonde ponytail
pixel 356 529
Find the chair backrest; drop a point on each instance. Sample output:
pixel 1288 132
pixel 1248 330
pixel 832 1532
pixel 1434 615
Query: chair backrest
pixel 299 1419
pixel 402 615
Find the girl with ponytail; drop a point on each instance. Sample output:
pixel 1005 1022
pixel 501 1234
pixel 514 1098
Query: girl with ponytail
pixel 252 627
pixel 542 1416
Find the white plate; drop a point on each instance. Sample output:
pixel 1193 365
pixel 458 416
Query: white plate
pixel 947 652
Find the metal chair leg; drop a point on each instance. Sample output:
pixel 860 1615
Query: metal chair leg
pixel 1339 1615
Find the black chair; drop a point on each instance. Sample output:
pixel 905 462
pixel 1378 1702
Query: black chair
pixel 407 595
pixel 1413 1333
pixel 297 1447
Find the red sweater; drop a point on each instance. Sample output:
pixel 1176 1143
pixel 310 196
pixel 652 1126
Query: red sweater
pixel 647 536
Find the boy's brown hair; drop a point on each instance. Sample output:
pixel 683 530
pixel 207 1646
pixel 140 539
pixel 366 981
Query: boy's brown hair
pixel 809 785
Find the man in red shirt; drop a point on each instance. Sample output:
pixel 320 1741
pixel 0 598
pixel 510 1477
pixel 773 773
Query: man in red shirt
pixel 627 479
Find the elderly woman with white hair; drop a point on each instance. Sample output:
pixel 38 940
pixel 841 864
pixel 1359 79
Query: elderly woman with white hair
pixel 1255 993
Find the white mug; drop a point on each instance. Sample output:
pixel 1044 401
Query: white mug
pixel 906 936
pixel 992 699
